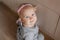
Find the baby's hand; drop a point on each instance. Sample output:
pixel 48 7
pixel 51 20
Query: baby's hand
pixel 18 21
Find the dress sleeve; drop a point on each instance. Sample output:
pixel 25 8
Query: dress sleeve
pixel 19 36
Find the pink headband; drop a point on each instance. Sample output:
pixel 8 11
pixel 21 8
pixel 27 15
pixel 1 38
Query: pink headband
pixel 23 7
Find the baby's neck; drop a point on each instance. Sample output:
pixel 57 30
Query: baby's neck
pixel 27 25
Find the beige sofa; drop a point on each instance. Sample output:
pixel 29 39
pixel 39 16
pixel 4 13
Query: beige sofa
pixel 7 23
pixel 8 19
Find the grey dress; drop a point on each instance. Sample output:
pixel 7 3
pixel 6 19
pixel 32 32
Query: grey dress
pixel 26 33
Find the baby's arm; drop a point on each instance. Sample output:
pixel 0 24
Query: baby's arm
pixel 19 29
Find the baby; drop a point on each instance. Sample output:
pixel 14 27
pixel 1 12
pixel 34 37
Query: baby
pixel 28 29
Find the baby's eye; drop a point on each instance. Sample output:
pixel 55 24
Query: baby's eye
pixel 26 16
pixel 33 14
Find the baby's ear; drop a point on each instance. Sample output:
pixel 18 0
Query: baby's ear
pixel 18 20
pixel 35 8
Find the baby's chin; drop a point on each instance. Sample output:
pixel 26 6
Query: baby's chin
pixel 32 23
pixel 29 25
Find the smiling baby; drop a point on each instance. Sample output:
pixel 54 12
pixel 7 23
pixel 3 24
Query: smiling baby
pixel 27 29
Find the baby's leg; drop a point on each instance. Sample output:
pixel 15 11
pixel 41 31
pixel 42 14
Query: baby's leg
pixel 40 36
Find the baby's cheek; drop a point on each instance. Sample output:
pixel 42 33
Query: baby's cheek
pixel 25 20
pixel 35 18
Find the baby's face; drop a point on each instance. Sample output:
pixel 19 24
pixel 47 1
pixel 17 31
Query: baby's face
pixel 29 17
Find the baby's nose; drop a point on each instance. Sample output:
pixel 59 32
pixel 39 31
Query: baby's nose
pixel 30 18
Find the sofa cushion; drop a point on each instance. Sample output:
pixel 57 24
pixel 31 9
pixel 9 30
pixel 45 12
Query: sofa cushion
pixel 8 25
